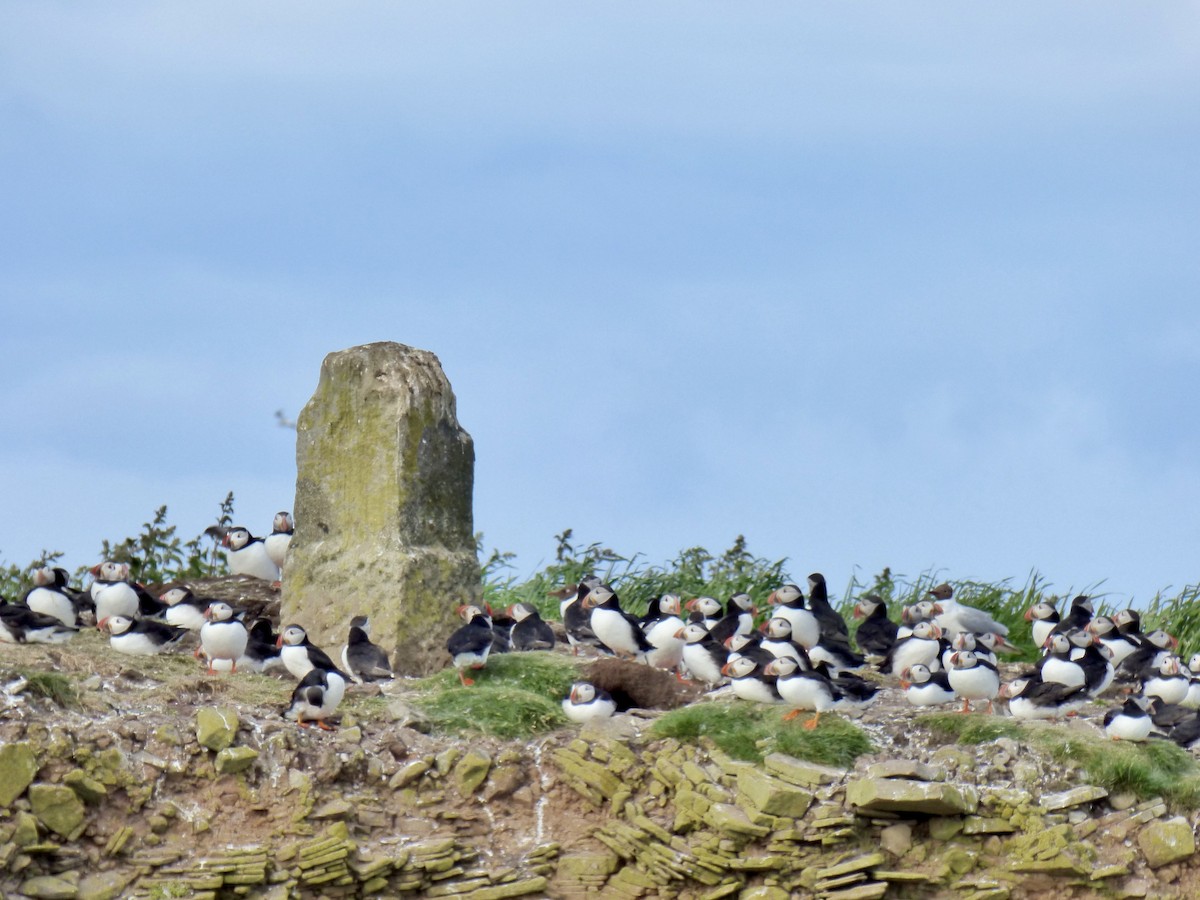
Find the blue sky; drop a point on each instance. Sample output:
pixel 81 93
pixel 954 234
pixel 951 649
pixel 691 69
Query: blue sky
pixel 872 284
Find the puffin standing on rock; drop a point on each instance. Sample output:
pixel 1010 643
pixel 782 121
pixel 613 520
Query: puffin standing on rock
pixel 50 595
pixel 143 637
pixel 316 698
pixel 617 629
pixel 470 645
pixel 363 660
pixel 276 543
pixel 300 655
pixel 222 637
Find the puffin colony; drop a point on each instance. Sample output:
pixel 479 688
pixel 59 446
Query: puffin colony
pixel 798 654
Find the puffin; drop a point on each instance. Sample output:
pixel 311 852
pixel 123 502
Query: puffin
pixel 747 645
pixel 738 618
pixel 141 637
pixel 973 678
pixel 362 660
pixel 876 633
pixel 111 591
pixel 661 625
pixel 702 655
pixel 1031 698
pixel 576 619
pixel 300 655
pixel 1192 700
pixel 923 646
pixel 1058 666
pixel 587 702
pixel 184 608
pixel 778 641
pixel 707 611
pixel 1094 658
pixel 248 555
pixel 316 697
pixel 750 679
pixel 222 637
pixel 831 622
pixel 529 631
pixel 788 602
pixel 471 643
pixel 1145 660
pixel 1080 613
pixel 277 541
pixel 815 691
pixel 1120 644
pixel 1169 684
pixel 262 652
pixel 1129 723
pixel 925 688
pixel 616 629
pixel 21 625
pixel 51 596
pixel 1042 618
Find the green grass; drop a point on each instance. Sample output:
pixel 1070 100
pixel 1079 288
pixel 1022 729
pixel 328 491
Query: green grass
pixel 517 695
pixel 53 686
pixel 971 729
pixel 750 731
pixel 1155 768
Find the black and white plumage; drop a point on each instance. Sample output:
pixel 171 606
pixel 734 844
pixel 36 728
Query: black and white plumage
pixel 788 602
pixel 223 637
pixel 661 625
pixel 280 538
pixel 922 647
pixel 707 611
pixel 973 678
pixel 1120 645
pixel 184 608
pixel 586 703
pixel 1169 684
pixel 300 655
pixel 1078 616
pixel 141 637
pixel 923 687
pixel 577 619
pixel 21 625
pixel 876 633
pixel 616 629
pixel 529 631
pixel 833 626
pixel 750 680
pixel 316 698
pixel 1057 665
pixel 362 660
pixel 813 690
pixel 703 657
pixel 111 591
pixel 262 650
pixel 1031 698
pixel 738 617
pixel 470 644
pixel 1042 617
pixel 778 641
pixel 1129 723
pixel 1144 662
pixel 52 596
pixel 248 555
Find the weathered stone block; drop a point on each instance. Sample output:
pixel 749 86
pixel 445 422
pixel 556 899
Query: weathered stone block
pixel 773 795
pixel 1166 841
pixel 471 771
pixel 797 771
pixel 216 727
pixel 232 760
pixel 89 789
pixel 901 795
pixel 383 505
pixel 18 766
pixel 58 808
pixel 49 887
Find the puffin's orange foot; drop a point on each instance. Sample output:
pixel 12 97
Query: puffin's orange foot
pixel 789 716
pixel 812 723
pixel 303 723
pixel 467 682
pixel 966 708
pixel 325 726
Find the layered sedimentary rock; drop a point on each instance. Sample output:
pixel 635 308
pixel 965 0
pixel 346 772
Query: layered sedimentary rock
pixel 383 505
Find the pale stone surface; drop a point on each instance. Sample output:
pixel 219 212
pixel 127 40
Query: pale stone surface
pixel 1168 841
pixel 57 807
pixel 773 795
pixel 383 506
pixel 216 727
pixel 18 765
pixel 902 795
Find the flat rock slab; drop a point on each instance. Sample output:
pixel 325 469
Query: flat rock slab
pixel 868 795
pixel 1166 842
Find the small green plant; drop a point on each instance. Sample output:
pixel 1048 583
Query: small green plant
pixel 971 729
pixel 516 695
pixel 750 731
pixel 157 555
pixel 53 686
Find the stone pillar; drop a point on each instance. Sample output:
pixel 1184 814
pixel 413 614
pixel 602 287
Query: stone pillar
pixel 384 475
